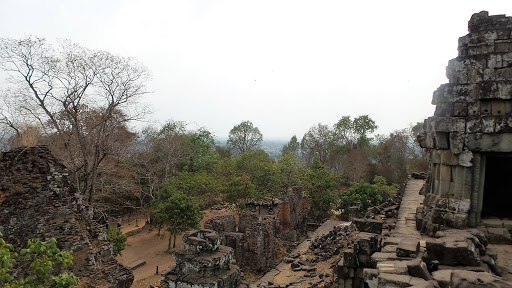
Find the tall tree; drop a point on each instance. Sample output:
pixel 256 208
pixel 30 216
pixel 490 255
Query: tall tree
pixel 317 142
pixel 244 137
pixel 178 212
pixel 83 96
pixel 293 146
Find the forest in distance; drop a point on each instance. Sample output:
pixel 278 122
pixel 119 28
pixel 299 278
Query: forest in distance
pixel 81 102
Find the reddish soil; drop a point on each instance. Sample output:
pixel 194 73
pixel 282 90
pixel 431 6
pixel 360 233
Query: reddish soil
pixel 148 246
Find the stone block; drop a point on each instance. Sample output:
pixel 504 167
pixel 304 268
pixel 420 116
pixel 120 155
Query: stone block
pixel 465 158
pixel 442 277
pixel 368 225
pixel 342 270
pixel 349 258
pixel 485 108
pixel 371 277
pixel 387 280
pixel 452 252
pixel 456 142
pixel 393 267
pixel 408 247
pixel 445 173
pixel 473 109
pixel 444 110
pixel 489 142
pixel 498 236
pixel 488 124
pixel 498 107
pixel 366 243
pixel 418 268
pixel 460 109
pixel 451 92
pixel 503 124
pixel 473 125
pixel 463 279
pixel 448 124
pixel 503 74
pixel 445 157
pixel 461 175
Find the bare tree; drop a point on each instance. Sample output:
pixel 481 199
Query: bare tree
pixel 80 98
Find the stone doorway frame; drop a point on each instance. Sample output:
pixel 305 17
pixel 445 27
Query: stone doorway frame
pixel 478 184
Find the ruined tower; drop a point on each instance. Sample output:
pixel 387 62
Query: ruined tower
pixel 469 138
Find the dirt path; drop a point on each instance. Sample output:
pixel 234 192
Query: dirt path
pixel 148 246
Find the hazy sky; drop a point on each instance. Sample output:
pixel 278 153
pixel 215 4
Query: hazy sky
pixel 284 65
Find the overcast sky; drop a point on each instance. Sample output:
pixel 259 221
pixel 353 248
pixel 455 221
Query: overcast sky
pixel 284 65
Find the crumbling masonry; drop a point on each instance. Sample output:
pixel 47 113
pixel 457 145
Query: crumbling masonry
pixel 469 139
pixel 38 201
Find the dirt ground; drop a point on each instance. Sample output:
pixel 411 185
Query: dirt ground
pixel 148 246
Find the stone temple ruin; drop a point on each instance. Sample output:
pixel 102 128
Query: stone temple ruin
pixel 469 138
pixel 203 262
pixel 38 201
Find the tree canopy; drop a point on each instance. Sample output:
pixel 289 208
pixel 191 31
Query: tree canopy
pixel 244 137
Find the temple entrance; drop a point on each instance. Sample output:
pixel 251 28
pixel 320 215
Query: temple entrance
pixel 497 196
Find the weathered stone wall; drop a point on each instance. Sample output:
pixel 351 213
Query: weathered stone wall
pixel 259 246
pixel 202 262
pixel 292 215
pixel 38 201
pixel 473 116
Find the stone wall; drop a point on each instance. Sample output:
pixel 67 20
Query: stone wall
pixel 472 121
pixel 38 201
pixel 202 262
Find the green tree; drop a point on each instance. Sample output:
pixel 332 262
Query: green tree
pixel 35 265
pixel 179 212
pixel 203 155
pixel 261 169
pixel 290 171
pixel 118 240
pixel 367 194
pixel 239 191
pixel 293 146
pixel 320 186
pixel 200 185
pixel 244 137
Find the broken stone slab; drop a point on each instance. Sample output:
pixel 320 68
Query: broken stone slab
pixel 393 267
pixel 408 247
pixel 381 256
pixel 476 236
pixel 498 236
pixel 368 225
pixel 387 280
pixel 482 268
pixel 466 279
pixel 389 249
pixel 426 284
pixel 418 268
pixel 442 277
pixel 449 251
pixel 371 277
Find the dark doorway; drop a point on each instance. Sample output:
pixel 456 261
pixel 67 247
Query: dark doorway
pixel 498 187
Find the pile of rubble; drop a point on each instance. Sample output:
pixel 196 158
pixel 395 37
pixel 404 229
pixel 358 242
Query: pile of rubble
pixel 330 244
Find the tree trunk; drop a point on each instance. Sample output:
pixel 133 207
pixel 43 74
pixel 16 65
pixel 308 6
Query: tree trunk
pixel 159 228
pixel 174 244
pixel 169 244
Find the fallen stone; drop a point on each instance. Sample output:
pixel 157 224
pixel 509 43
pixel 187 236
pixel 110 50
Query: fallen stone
pixel 451 252
pixel 393 267
pixel 498 236
pixel 418 268
pixel 368 225
pixel 467 279
pixel 442 277
pixel 408 248
pixel 370 277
